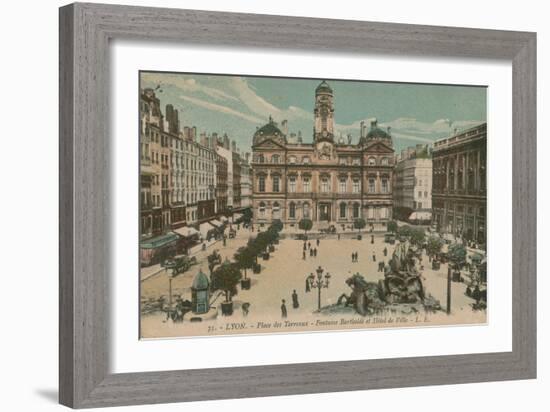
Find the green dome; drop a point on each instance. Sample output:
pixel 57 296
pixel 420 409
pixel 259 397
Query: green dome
pixel 201 281
pixel 378 133
pixel 269 130
pixel 323 88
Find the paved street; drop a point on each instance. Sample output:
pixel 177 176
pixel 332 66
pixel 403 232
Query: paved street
pixel 286 271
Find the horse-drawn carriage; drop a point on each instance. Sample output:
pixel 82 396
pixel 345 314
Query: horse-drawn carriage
pixel 179 264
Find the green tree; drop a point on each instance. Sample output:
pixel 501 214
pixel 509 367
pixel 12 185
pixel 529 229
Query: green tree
pixel 392 226
pixel 277 225
pixel 405 231
pixel 305 225
pixel 417 236
pixel 435 243
pixel 457 255
pixel 226 278
pixel 254 248
pixel 359 224
pixel 247 216
pixel 244 258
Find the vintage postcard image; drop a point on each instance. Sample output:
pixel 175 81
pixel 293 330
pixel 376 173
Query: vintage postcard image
pixel 281 205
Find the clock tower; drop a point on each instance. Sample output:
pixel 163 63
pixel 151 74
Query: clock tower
pixel 323 128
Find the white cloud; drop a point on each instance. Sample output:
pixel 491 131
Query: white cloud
pixel 187 85
pixel 221 109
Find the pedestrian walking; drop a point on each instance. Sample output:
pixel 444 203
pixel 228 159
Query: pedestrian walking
pixel 318 241
pixel 308 287
pixel 338 236
pixel 283 309
pixel 385 251
pixel 305 246
pixel 352 257
pixel 315 252
pixel 373 257
pixel 245 307
pixel 357 256
pixel 309 245
pixel 310 252
pixel 304 255
pixel 295 303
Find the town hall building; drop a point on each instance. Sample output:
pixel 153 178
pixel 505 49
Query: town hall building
pixel 330 181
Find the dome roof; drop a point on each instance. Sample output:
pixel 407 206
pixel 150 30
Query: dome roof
pixel 201 281
pixel 323 87
pixel 378 133
pixel 270 129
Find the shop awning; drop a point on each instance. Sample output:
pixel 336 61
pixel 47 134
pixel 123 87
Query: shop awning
pixel 215 223
pixel 186 231
pixel 204 228
pixel 223 219
pixel 237 216
pixel 420 216
pixel 159 241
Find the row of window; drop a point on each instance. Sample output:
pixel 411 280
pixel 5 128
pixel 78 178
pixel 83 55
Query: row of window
pixel 324 186
pixel 343 211
pixel 356 161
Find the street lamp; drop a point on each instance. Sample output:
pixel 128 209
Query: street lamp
pixel 319 283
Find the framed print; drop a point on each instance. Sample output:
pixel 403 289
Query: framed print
pixel 234 184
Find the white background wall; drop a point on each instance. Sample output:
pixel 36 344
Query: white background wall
pixel 29 64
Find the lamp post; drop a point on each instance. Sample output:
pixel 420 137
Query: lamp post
pixel 319 282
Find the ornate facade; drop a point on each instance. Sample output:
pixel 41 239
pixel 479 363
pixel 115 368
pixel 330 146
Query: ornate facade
pixel 459 195
pixel 326 181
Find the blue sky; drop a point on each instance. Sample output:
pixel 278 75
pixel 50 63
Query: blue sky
pixel 236 105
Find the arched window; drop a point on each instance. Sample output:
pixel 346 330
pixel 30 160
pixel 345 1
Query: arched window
pixel 292 210
pixel 342 210
pixel 325 186
pixel 372 185
pixel 356 210
pixel 306 210
pixel 307 184
pixel 261 210
pixel 385 185
pixel 342 185
pixel 276 212
pixel 276 186
pixel 292 184
pixel 356 184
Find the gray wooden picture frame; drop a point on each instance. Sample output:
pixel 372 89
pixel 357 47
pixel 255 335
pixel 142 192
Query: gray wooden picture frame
pixel 85 32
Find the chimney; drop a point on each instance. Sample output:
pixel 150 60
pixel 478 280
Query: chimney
pixel 362 129
pixel 284 126
pixel 233 146
pixel 299 136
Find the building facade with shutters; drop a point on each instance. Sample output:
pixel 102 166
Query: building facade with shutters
pixel 330 181
pixel 412 188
